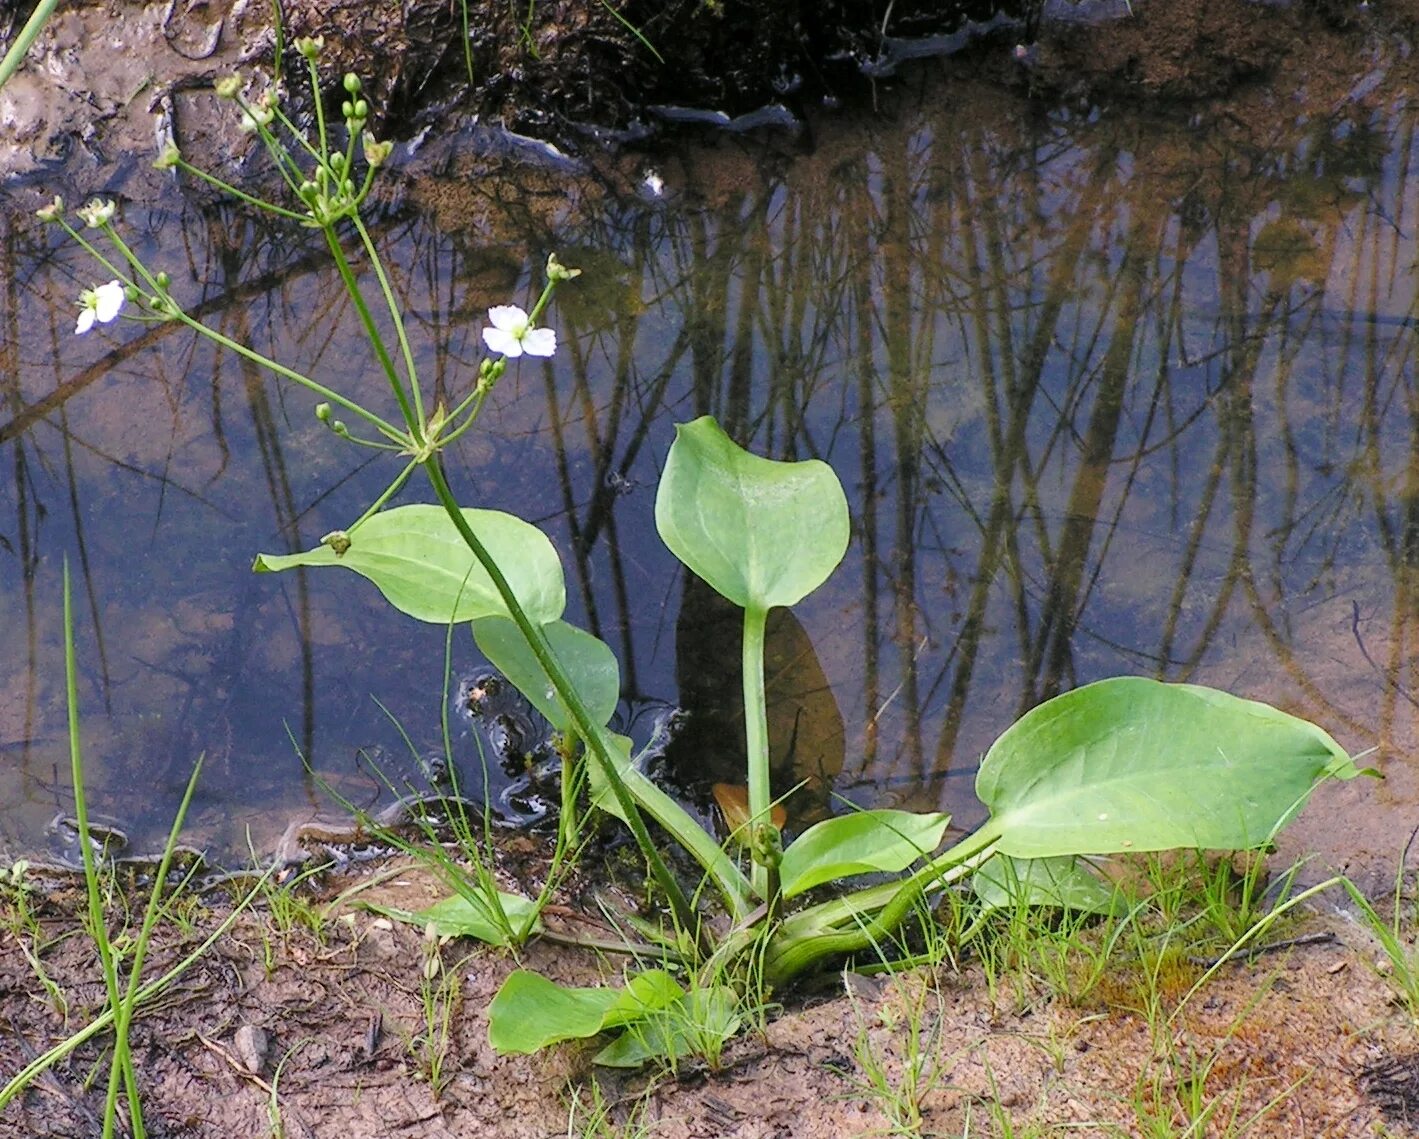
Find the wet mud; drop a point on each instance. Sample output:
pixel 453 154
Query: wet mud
pixel 110 84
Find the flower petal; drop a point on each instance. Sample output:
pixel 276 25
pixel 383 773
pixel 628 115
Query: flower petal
pixel 508 318
pixel 539 342
pixel 86 321
pixel 108 299
pixel 502 342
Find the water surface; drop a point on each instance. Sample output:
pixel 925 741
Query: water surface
pixel 1108 393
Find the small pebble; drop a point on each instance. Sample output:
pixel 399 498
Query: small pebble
pixel 251 1045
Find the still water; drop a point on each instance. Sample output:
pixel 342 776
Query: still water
pixel 1108 393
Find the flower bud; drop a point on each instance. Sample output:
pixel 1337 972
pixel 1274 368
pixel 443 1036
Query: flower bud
pixel 352 83
pixel 163 279
pixel 376 153
pixel 490 372
pixel 362 109
pixel 556 271
pixel 310 46
pixel 52 212
pixel 260 113
pixel 322 412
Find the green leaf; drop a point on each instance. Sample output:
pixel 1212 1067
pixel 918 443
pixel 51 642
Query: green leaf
pixel 1062 883
pixel 696 1024
pixel 417 559
pixel 1135 764
pixel 458 916
pixel 531 1012
pixel 761 532
pixel 589 663
pixel 883 841
pixel 665 810
pixel 602 797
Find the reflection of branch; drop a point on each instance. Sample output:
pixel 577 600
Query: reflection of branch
pixel 1384 676
pixel 1053 649
pixel 10 368
pixel 1286 656
pixel 25 417
pixel 163 479
pixel 887 703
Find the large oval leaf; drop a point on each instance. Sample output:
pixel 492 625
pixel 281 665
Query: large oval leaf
pixel 1135 764
pixel 883 841
pixel 416 558
pixel 531 1012
pixel 762 533
pixel 587 661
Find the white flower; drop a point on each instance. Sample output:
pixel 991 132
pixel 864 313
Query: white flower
pixel 97 213
pixel 258 116
pixel 101 304
pixel 511 336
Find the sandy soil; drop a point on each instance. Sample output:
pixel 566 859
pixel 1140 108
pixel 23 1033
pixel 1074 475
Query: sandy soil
pixel 1281 1044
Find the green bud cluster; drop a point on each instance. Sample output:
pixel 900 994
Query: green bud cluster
pixel 556 271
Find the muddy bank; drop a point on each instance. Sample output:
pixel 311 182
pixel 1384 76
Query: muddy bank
pixel 107 85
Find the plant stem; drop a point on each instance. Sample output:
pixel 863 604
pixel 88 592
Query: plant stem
pixel 392 303
pixel 375 507
pixel 352 286
pixel 863 919
pixel 47 1060
pixel 33 26
pixel 385 429
pixel 241 195
pixel 122 1059
pixel 126 1008
pixel 756 739
pixel 591 732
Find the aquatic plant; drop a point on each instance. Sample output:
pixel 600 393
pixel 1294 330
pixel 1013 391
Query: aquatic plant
pixel 1126 764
